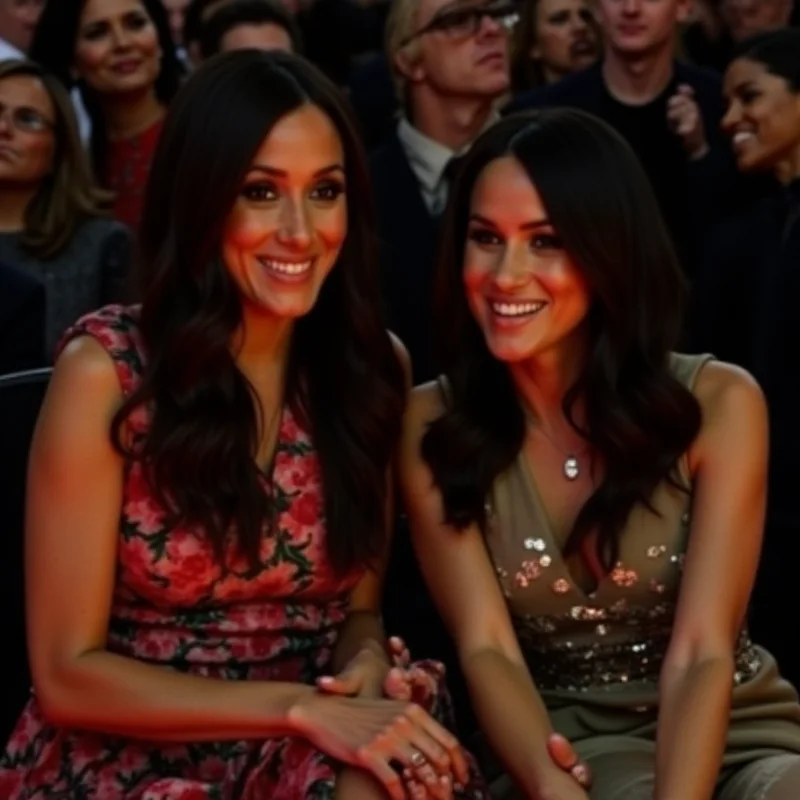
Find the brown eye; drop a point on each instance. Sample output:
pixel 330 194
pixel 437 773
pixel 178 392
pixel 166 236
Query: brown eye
pixel 260 192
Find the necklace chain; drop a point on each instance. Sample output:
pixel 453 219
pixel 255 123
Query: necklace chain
pixel 571 467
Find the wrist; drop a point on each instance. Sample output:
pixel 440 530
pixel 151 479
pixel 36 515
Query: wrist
pixel 301 711
pixel 376 666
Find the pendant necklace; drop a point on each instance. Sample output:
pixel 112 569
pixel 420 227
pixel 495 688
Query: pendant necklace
pixel 571 467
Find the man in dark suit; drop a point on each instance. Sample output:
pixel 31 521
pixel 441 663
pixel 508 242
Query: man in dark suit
pixel 669 112
pixel 22 321
pixel 451 66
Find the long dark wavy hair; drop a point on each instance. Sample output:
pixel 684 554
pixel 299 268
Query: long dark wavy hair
pixel 639 418
pixel 53 47
pixel 344 378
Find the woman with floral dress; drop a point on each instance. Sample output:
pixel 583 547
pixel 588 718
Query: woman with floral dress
pixel 209 485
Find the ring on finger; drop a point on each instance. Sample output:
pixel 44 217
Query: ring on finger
pixel 418 759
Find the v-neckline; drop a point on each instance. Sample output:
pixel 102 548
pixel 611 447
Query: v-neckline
pixel 536 497
pixel 267 471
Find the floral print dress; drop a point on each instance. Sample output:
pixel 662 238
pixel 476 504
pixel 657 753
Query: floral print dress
pixel 172 606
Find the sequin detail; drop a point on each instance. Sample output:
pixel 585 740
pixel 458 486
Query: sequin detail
pixel 558 663
pixel 656 551
pixel 624 577
pixel 560 586
pixel 535 544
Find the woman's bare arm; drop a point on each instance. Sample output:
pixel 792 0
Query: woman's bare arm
pixel 74 499
pixel 729 466
pixel 459 574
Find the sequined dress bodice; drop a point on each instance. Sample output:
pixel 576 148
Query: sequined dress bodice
pixel 614 638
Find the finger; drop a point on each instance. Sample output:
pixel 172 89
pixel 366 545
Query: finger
pixel 422 771
pixel 443 739
pixel 423 686
pixel 686 90
pixel 379 767
pixel 397 685
pixel 561 752
pixel 582 775
pixel 343 684
pixel 417 790
pixel 400 654
pixel 441 789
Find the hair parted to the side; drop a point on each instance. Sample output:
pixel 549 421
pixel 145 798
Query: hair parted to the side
pixel 344 378
pixel 777 51
pixel 69 195
pixel 53 47
pixel 639 418
pixel 247 12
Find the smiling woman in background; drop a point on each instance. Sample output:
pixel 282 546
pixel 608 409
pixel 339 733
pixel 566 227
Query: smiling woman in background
pixel 745 301
pixel 121 56
pixel 554 38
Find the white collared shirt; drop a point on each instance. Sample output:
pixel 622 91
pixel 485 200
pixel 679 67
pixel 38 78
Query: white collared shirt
pixel 8 52
pixel 428 160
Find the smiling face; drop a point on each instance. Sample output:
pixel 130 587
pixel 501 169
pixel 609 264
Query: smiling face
pixel 289 222
pixel 763 116
pixel 525 292
pixel 566 36
pixel 117 49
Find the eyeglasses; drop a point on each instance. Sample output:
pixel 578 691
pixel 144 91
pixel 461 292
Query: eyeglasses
pixel 27 120
pixel 463 22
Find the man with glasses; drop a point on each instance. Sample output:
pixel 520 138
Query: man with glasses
pixel 450 63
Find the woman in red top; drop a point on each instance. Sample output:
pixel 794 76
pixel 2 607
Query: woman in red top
pixel 121 56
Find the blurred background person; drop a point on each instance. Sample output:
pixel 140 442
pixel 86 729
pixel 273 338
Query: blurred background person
pixel 176 13
pixel 744 305
pixel 121 56
pixel 746 18
pixel 668 110
pixel 18 20
pixel 554 38
pixel 52 219
pixel 451 68
pixel 242 24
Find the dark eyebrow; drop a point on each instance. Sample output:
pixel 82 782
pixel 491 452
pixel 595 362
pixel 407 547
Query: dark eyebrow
pixel 280 173
pixel 528 226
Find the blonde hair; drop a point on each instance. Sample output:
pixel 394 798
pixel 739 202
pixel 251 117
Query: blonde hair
pixel 400 25
pixel 69 194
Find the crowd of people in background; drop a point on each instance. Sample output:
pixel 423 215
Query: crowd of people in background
pixel 242 231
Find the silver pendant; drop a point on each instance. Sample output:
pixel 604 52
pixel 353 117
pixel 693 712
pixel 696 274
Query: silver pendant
pixel 571 468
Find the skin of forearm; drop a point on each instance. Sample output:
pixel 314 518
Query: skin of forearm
pixel 512 715
pixel 114 694
pixel 362 631
pixel 693 721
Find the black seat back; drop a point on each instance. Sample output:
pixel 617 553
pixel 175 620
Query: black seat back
pixel 21 395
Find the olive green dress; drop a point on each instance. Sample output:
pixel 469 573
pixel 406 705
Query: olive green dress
pixel 596 657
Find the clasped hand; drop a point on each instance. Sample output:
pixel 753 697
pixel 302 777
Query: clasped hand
pixel 431 760
pixel 433 764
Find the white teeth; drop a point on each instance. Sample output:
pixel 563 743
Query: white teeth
pixel 516 309
pixel 286 267
pixel 743 136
